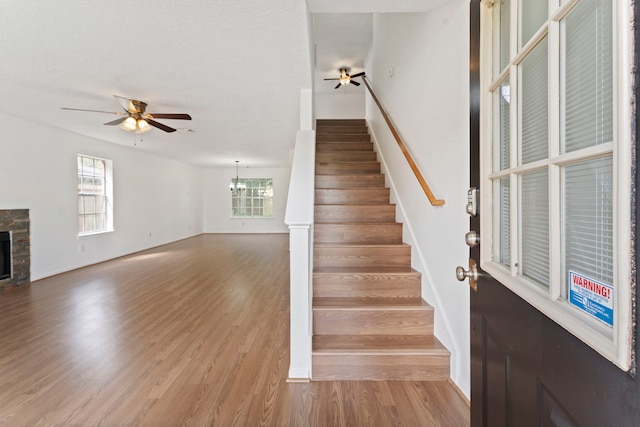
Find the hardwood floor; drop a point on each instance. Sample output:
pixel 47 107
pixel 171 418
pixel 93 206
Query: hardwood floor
pixel 191 333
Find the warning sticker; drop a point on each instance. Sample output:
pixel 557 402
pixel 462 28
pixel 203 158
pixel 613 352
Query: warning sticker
pixel 591 296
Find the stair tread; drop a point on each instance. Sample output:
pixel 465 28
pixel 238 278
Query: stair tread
pixel 365 303
pixel 366 224
pixel 359 205
pixel 387 344
pixel 358 245
pixel 362 270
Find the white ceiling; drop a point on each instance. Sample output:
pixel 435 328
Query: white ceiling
pixel 236 67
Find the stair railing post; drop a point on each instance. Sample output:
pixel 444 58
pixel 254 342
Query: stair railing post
pixel 299 219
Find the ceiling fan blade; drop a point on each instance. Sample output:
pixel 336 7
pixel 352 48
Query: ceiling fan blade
pixel 125 103
pixel 93 111
pixel 339 84
pixel 332 79
pixel 358 75
pixel 116 122
pixel 354 83
pixel 160 126
pixel 176 116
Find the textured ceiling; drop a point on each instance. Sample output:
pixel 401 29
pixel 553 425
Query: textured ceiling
pixel 236 66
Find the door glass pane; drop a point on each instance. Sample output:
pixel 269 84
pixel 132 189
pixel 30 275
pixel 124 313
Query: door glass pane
pixel 502 128
pixel 501 33
pixel 588 219
pixel 534 198
pixel 533 13
pixel 502 222
pixel 587 81
pixel 534 77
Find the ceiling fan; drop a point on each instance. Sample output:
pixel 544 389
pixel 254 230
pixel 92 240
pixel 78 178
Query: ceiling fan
pixel 345 78
pixel 135 118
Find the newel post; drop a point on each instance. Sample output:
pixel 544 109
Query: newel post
pixel 299 219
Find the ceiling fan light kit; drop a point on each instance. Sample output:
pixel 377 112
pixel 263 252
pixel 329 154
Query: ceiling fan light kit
pixel 131 124
pixel 345 78
pixel 137 120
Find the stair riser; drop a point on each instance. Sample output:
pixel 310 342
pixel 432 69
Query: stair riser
pixel 373 322
pixel 347 168
pixel 358 233
pixel 354 285
pixel 381 367
pixel 320 123
pixel 344 146
pixel 346 156
pixel 368 196
pixel 356 137
pixel 354 214
pixel 350 181
pixel 350 130
pixel 392 256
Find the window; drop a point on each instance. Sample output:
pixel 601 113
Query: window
pixel 252 198
pixel 95 207
pixel 555 163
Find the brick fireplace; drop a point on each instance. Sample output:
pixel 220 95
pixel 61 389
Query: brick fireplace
pixel 15 222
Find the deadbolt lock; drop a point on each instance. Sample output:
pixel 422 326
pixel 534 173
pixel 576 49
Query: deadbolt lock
pixel 472 239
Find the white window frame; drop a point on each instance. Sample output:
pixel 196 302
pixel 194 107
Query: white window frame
pixel 235 193
pixel 108 170
pixel 612 343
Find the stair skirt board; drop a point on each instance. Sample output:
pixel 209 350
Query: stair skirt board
pixel 369 319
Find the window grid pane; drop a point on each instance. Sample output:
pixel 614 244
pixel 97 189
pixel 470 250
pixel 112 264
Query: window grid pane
pixel 534 198
pixel 501 35
pixel 502 132
pixel 534 84
pixel 588 81
pixel 533 14
pixel 588 219
pixel 502 226
pixel 254 199
pixel 92 197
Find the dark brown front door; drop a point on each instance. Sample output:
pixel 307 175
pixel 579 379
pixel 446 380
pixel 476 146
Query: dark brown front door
pixel 525 369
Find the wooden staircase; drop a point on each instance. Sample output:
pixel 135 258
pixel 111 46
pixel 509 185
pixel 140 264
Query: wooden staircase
pixel 369 319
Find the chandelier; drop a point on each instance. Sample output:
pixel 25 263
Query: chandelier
pixel 235 184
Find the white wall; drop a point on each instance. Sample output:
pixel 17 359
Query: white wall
pixel 217 201
pixel 427 98
pixel 340 105
pixel 156 200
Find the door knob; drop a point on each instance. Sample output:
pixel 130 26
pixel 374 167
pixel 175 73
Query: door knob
pixel 472 239
pixel 471 274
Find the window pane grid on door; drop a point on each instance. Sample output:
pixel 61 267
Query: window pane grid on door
pixel 533 13
pixel 502 135
pixel 588 219
pixel 502 36
pixel 502 221
pixel 534 107
pixel 534 207
pixel 587 83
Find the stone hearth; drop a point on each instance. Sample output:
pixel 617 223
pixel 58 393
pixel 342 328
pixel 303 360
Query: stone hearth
pixel 16 221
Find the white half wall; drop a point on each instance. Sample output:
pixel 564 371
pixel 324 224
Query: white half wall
pixel 217 201
pixel 423 84
pixel 340 106
pixel 156 200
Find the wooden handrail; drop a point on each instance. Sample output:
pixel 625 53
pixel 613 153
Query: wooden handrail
pixel 403 148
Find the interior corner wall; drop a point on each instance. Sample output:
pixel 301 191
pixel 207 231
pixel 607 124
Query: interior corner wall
pixel 156 200
pixel 217 201
pixel 418 67
pixel 340 105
